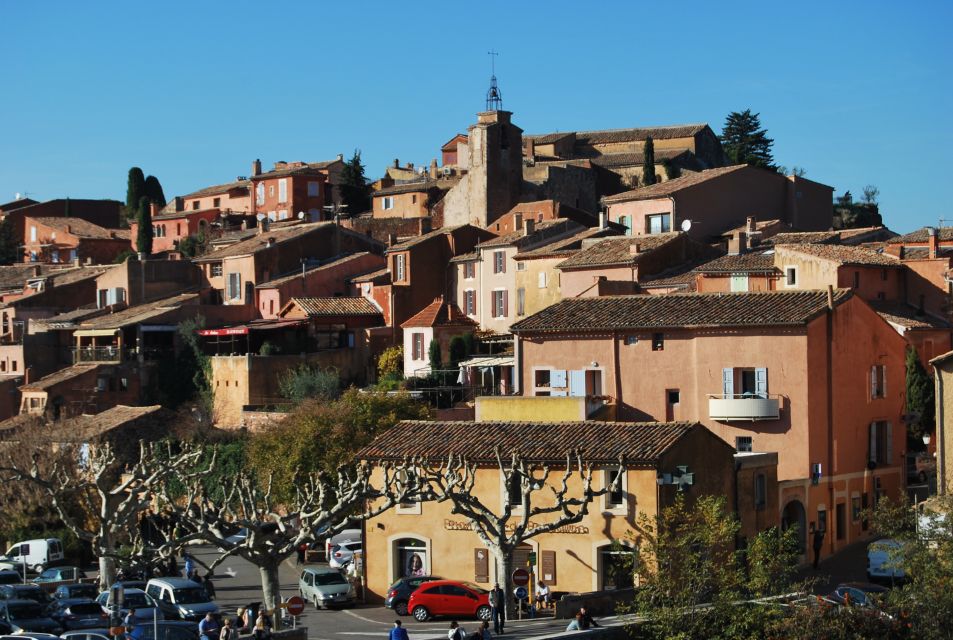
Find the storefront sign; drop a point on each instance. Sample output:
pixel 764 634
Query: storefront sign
pixel 459 525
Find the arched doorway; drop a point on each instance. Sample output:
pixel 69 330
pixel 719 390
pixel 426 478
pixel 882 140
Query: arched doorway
pixel 794 515
pixel 616 567
pixel 410 558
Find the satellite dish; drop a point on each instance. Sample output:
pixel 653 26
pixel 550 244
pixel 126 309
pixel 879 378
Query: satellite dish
pixel 301 215
pixel 686 225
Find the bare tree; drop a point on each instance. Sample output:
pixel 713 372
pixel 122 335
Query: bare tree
pixel 110 495
pixel 321 505
pixel 525 513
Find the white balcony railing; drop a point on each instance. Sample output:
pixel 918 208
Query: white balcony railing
pixel 744 407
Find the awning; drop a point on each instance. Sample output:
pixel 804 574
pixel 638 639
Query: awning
pixel 488 361
pixel 94 333
pixel 243 329
pixel 231 331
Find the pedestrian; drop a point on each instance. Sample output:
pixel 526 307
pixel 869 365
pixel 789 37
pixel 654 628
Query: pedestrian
pixel 498 608
pixel 172 568
pixel 262 627
pixel 456 632
pixel 302 548
pixel 209 587
pixel 485 631
pixel 818 543
pixel 586 619
pixel 576 624
pixel 189 565
pixel 130 620
pixel 398 632
pixel 229 632
pixel 208 627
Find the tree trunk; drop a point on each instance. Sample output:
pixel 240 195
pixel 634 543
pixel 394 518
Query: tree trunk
pixel 504 573
pixel 107 571
pixel 270 588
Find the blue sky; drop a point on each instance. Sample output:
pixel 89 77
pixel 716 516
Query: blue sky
pixel 855 92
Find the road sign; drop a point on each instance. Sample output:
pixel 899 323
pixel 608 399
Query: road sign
pixel 521 593
pixel 521 577
pixel 295 605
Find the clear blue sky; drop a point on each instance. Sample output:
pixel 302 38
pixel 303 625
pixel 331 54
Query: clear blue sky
pixel 855 92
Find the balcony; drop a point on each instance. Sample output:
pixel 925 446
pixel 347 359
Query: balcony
pixel 727 408
pixel 83 355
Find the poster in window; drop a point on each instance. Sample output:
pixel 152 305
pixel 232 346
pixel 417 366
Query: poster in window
pixel 413 562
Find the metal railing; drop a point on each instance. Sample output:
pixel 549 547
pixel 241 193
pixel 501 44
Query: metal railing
pixel 97 354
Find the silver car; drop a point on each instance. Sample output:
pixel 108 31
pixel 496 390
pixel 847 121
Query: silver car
pixel 145 606
pixel 325 587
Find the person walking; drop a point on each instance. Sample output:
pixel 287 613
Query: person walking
pixel 398 632
pixel 130 620
pixel 208 627
pixel 586 619
pixel 498 608
pixel 818 544
pixel 302 548
pixel 262 627
pixel 456 632
pixel 189 565
pixel 209 587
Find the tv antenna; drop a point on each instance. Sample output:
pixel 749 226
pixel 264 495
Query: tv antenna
pixel 494 99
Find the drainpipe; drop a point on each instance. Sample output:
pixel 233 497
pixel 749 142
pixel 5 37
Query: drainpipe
pixel 940 439
pixel 831 508
pixel 517 366
pixel 616 373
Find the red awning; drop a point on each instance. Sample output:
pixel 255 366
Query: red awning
pixel 231 331
pixel 256 325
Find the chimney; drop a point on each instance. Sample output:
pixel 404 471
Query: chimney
pixel 263 225
pixel 603 219
pixel 752 225
pixel 933 242
pixel 634 248
pixel 529 226
pixel 153 209
pixel 433 169
pixel 738 243
pixel 410 165
pixel 179 203
pixel 256 168
pixel 530 148
pixel 397 163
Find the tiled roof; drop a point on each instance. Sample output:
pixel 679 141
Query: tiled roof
pixel 81 228
pixel 625 135
pixel 151 311
pixel 538 234
pixel 923 253
pixel 14 276
pixel 751 262
pixel 218 188
pixel 616 251
pixel 681 310
pixel 82 428
pixel 308 169
pixel 57 377
pixel 466 257
pixel 178 215
pixel 866 234
pixel 805 237
pixel 274 282
pixel 316 307
pixel 69 318
pixel 440 313
pixel 416 187
pixel 259 241
pixel 565 246
pixel 845 254
pixel 945 234
pixel 907 316
pixel 641 443
pixel 669 187
pixel 549 138
pixel 632 159
pixel 373 276
pixel 410 242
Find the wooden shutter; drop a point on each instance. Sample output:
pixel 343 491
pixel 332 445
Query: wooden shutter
pixel 873 381
pixel 889 452
pixel 481 565
pixel 506 311
pixel 547 570
pixel 727 382
pixel 872 442
pixel 502 262
pixel 761 382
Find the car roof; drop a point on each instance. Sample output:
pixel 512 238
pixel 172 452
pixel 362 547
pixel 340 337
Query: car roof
pixel 174 582
pixel 19 601
pixel 321 570
pixel 71 601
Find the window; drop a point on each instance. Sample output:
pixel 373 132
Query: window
pixel 840 520
pixel 520 301
pixel 521 266
pixel 195 205
pixel 33 256
pixel 630 340
pixel 418 346
pixel 32 233
pixel 658 342
pixel 234 286
pixel 216 270
pixel 54 256
pixel 615 498
pixel 878 381
pixel 855 509
pixel 387 202
pixel 469 302
pixel 469 270
pixel 541 378
pixel 283 190
pixel 314 189
pixel 260 194
pixel 499 262
pixel 542 279
pixel 658 223
pixel 178 229
pixel 743 444
pixel 514 489
pixel 399 266
pixel 626 221
pixel 739 282
pixel 216 202
pixel 271 191
pixel 790 276
pixel 499 303
pixel 744 382
pixel 760 491
pixel 879 443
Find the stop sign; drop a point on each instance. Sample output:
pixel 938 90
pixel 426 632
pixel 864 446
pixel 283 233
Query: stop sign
pixel 521 577
pixel 295 605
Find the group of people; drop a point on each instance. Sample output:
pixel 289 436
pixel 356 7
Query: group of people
pixel 582 620
pixel 210 629
pixel 192 573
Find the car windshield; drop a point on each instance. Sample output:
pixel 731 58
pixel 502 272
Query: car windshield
pixel 139 600
pixel 23 611
pixel 190 595
pixel 49 574
pixel 85 607
pixel 323 579
pixel 81 590
pixel 473 587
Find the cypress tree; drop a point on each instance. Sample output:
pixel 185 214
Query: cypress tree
pixel 8 243
pixel 135 189
pixel 648 162
pixel 435 356
pixel 153 190
pixel 920 396
pixel 745 142
pixel 354 190
pixel 144 233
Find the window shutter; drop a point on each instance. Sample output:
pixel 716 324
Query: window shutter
pixel 505 304
pixel 873 381
pixel 728 382
pixel 481 565
pixel 872 442
pixel 889 451
pixel 502 262
pixel 883 381
pixel 577 383
pixel 548 568
pixel 761 382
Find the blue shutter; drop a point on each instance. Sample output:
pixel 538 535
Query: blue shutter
pixel 761 382
pixel 577 383
pixel 727 382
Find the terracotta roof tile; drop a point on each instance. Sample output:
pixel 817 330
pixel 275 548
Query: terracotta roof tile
pixel 381 276
pixel 411 242
pixel 631 159
pixel 566 246
pixel 604 136
pixel 150 311
pixel 417 187
pixel 945 234
pixel 219 188
pixel 317 307
pixel 680 310
pixel 440 313
pixel 844 254
pixel 617 251
pixel 57 377
pixel 907 316
pixel 642 443
pixel 81 228
pixel 541 231
pixel 805 237
pixel 751 262
pixel 274 282
pixel 258 241
pixel 669 187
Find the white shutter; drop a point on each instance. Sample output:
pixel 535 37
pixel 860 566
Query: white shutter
pixel 889 443
pixel 577 383
pixel 727 382
pixel 557 378
pixel 761 382
pixel 542 279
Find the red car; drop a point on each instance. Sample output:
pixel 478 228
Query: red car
pixel 449 598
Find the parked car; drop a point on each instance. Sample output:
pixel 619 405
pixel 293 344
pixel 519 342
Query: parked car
pixel 238 537
pixel 343 554
pixel 348 536
pixel 77 590
pixel 99 633
pixel 29 636
pixel 24 592
pixel 35 554
pixel 78 613
pixel 53 577
pixel 325 587
pixel 863 594
pixel 146 608
pixel 168 630
pixel 398 595
pixel 27 615
pixel 180 598
pixel 882 559
pixel 449 598
pixel 9 576
pixel 132 584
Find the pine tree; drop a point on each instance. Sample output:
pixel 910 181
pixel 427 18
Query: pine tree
pixel 745 142
pixel 920 396
pixel 153 190
pixel 144 234
pixel 354 190
pixel 648 162
pixel 135 189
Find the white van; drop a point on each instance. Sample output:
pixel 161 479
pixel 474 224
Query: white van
pixel 347 537
pixel 35 554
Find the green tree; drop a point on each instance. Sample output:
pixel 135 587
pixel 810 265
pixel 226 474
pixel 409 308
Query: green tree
pixel 135 190
pixel 435 356
pixel 9 253
pixel 153 190
pixel 306 381
pixel 192 246
pixel 745 142
pixel 122 256
pixel 355 192
pixel 920 397
pixel 145 232
pixel 458 351
pixel 871 194
pixel 851 215
pixel 648 162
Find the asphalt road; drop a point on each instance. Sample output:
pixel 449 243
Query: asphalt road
pixel 357 623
